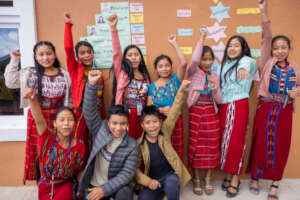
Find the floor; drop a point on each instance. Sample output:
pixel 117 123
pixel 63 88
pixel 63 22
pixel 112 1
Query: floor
pixel 289 190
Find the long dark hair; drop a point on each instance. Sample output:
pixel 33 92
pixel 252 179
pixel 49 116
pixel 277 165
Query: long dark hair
pixel 127 67
pixel 244 52
pixel 39 68
pixel 83 43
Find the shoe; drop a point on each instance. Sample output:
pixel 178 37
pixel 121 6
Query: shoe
pixel 273 196
pixel 208 189
pixel 197 189
pixel 233 194
pixel 254 190
pixel 224 187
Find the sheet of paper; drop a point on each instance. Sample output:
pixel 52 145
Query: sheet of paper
pixel 215 1
pixel 185 32
pixel 219 50
pixel 219 12
pixel 187 50
pixel 143 49
pixel 136 7
pixel 184 12
pixel 245 11
pixel 137 28
pixel 137 18
pixel 91 30
pixel 216 31
pixel 138 39
pixel 145 59
pixel 248 29
pixel 114 7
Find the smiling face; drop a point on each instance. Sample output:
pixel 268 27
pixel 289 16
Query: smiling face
pixel 206 61
pixel 134 56
pixel 45 56
pixel 85 55
pixel 118 125
pixel 234 49
pixel 164 68
pixel 280 49
pixel 151 125
pixel 64 123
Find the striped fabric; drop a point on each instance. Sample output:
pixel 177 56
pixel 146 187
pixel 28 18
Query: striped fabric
pixel 234 122
pixel 204 137
pixel 178 138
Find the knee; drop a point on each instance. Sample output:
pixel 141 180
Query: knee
pixel 125 193
pixel 173 180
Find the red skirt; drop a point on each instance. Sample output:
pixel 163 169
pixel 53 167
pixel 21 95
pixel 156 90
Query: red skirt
pixel 234 121
pixel 135 129
pixel 271 140
pixel 177 138
pixel 61 191
pixel 204 137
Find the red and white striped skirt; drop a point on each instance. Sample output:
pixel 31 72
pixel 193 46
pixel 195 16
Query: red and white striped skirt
pixel 234 121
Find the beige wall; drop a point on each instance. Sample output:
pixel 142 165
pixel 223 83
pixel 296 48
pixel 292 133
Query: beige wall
pixel 160 20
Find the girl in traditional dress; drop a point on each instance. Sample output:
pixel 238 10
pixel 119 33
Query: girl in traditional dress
pixel 236 72
pixel 162 92
pixel 204 123
pixel 131 79
pixel 78 70
pixel 61 156
pixel 278 88
pixel 52 85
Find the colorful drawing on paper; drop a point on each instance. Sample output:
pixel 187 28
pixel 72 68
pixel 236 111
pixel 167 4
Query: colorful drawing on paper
pixel 216 32
pixel 219 12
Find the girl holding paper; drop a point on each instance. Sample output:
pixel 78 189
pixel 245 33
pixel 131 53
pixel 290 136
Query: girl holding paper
pixel 78 70
pixel 236 76
pixel 204 124
pixel 278 88
pixel 162 92
pixel 131 79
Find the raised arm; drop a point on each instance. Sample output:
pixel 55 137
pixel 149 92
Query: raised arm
pixel 12 74
pixel 69 46
pixel 182 61
pixel 36 111
pixel 175 110
pixel 196 57
pixel 117 51
pixel 124 176
pixel 266 43
pixel 90 110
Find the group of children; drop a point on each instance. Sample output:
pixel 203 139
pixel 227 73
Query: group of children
pixel 139 144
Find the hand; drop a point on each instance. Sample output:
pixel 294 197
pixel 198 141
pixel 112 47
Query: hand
pixel 67 18
pixel 184 84
pixel 243 74
pixel 203 30
pixel 212 82
pixel 95 193
pixel 113 21
pixel 94 76
pixel 262 4
pixel 28 93
pixel 172 39
pixel 165 110
pixel 154 184
pixel 293 93
pixel 16 55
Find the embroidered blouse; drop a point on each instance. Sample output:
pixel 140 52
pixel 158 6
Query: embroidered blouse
pixel 164 95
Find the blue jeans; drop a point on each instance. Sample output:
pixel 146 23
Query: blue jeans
pixel 170 186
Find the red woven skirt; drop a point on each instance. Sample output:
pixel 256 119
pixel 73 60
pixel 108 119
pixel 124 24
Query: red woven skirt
pixel 61 191
pixel 177 138
pixel 204 137
pixel 135 128
pixel 234 121
pixel 271 140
